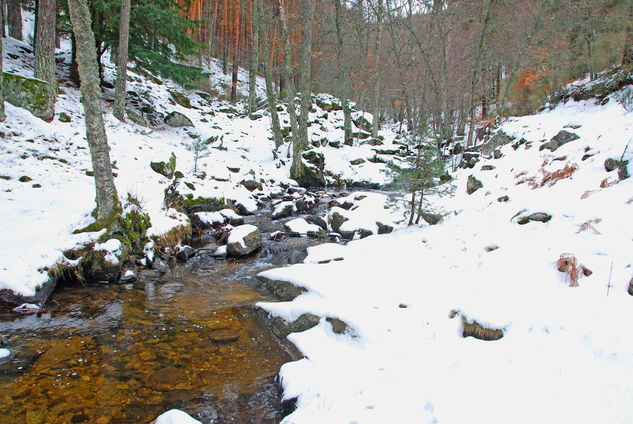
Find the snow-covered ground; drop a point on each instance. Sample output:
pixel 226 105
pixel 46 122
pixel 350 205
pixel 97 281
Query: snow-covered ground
pixel 567 352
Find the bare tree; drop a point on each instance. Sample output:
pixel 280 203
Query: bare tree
pixel 14 18
pixel 252 74
pixel 45 51
pixel 107 198
pixel 342 77
pixel 305 57
pixel 268 75
pixel 122 56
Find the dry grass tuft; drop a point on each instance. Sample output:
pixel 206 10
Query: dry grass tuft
pixel 608 182
pixel 549 178
pixel 589 225
pixel 568 264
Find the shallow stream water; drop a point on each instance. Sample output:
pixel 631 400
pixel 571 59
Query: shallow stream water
pixel 188 339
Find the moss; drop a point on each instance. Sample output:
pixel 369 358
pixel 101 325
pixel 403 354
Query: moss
pixel 202 204
pixel 173 237
pixel 524 220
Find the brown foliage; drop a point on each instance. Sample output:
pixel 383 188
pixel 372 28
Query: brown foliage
pixel 608 182
pixel 549 178
pixel 589 225
pixel 568 264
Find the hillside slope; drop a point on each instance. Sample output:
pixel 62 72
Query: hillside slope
pixel 535 265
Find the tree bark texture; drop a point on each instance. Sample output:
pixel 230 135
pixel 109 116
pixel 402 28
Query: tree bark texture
pixel 342 73
pixel 305 74
pixel 376 103
pixel 107 199
pixel 252 75
pixel 295 168
pixel 478 65
pixel 45 34
pixel 236 39
pixel 268 75
pixel 627 57
pixel 14 18
pixel 3 116
pixel 122 56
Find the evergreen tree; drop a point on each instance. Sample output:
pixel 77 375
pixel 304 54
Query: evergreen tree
pixel 422 176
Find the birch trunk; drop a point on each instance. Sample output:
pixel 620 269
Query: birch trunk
pixel 121 74
pixel 106 195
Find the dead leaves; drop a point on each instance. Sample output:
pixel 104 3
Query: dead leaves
pixel 568 264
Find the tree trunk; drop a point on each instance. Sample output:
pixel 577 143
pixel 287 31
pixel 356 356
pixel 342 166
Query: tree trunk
pixel 252 75
pixel 477 67
pixel 414 183
pixel 627 57
pixel 342 76
pixel 74 68
pixel 296 167
pixel 236 37
pixel 376 103
pixel 45 51
pixel 122 56
pixel 305 74
pixel 106 196
pixel 14 18
pixel 268 75
pixel 3 116
pixel 438 18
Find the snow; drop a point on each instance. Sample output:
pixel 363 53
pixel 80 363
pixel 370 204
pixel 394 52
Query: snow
pixel 301 226
pixel 239 233
pixel 567 352
pixel 112 248
pixel 176 416
pixel 4 353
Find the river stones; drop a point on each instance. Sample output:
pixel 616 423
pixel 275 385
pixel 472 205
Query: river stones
pixel 243 241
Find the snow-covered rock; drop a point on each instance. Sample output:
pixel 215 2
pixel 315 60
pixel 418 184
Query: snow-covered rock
pixel 243 241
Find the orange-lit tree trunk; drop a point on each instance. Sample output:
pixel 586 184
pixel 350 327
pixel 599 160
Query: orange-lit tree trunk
pixel 236 39
pixel 252 76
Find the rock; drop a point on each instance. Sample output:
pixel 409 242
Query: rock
pixel 537 216
pixel 611 164
pixel 491 146
pixel 162 168
pixel 357 161
pixel 25 179
pixel 128 277
pixel 432 218
pixel 281 328
pixel 252 185
pixel 623 171
pixel 317 220
pixel 160 266
pixel 365 233
pixel 505 198
pixel 373 142
pixel 384 228
pixel 184 253
pixel 283 290
pixel 563 137
pixel 180 98
pixel 497 154
pixel 64 117
pixel 283 210
pixel 363 123
pixel 244 240
pixel 338 326
pixel 28 93
pixel 312 167
pixel 136 117
pixel 487 167
pixel 177 120
pixel 473 184
pixel 631 287
pixel 336 219
pixel 334 143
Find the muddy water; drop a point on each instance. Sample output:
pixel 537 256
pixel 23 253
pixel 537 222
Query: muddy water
pixel 126 353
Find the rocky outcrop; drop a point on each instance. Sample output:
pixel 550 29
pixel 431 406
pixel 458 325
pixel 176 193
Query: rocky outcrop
pixel 560 139
pixel 177 120
pixel 28 93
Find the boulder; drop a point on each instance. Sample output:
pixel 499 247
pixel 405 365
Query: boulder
pixel 473 184
pixel 611 164
pixel 487 167
pixel 563 137
pixel 184 253
pixel 431 218
pixel 363 123
pixel 357 161
pixel 384 228
pixel 283 210
pixel 177 120
pixel 29 93
pixel 504 198
pixel 499 139
pixel 180 98
pixel 244 240
pixel 317 220
pixel 623 170
pixel 336 219
pixel 536 216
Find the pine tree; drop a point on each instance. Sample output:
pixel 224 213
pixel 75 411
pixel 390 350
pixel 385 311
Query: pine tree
pixel 107 199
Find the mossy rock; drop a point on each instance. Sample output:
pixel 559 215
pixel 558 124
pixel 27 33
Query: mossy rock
pixel 180 98
pixel 137 118
pixel 202 204
pixel 64 117
pixel 29 93
pixel 315 158
pixel 162 168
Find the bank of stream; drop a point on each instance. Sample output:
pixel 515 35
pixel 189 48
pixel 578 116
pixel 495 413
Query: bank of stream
pixel 188 339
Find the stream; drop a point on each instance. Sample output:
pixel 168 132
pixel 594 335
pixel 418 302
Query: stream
pixel 188 339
